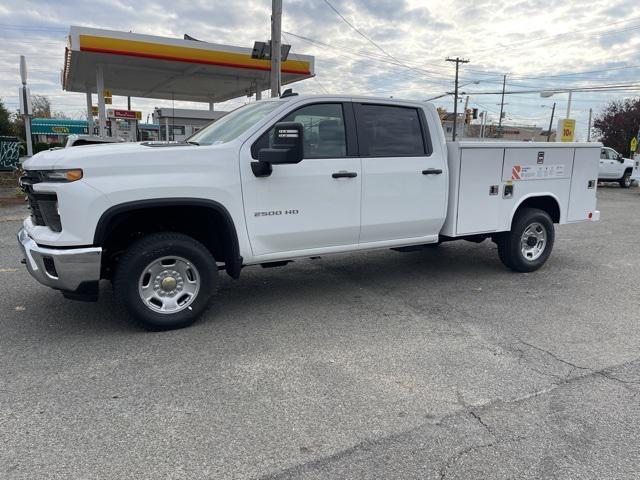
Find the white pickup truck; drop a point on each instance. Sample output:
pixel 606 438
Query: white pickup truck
pixel 279 179
pixel 615 168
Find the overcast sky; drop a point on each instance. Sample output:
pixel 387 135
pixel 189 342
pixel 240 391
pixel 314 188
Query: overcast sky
pixel 537 43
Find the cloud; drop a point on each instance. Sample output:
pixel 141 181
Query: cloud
pixel 526 39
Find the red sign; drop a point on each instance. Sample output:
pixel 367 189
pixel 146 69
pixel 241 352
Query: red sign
pixel 131 114
pixel 515 172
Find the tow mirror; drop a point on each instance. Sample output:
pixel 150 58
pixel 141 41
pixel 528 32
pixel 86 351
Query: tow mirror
pixel 287 148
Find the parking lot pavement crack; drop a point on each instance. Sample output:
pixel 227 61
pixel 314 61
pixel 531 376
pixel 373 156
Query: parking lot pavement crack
pixel 478 418
pixel 602 372
pixel 553 355
pixel 451 462
pixel 369 445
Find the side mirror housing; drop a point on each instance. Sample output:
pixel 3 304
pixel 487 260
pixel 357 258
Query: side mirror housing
pixel 287 148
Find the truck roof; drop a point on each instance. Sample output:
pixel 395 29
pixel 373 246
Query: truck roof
pixel 363 98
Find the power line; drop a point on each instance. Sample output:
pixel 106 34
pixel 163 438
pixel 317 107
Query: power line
pixel 574 73
pixel 528 42
pixel 315 78
pixel 354 28
pixel 418 73
pixel 584 88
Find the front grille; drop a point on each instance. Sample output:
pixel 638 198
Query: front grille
pixel 30 177
pixel 43 206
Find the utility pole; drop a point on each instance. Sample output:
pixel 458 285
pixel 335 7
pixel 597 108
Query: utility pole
pixel 457 61
pixel 553 111
pixel 464 112
pixel 504 85
pixel 276 48
pixel 589 127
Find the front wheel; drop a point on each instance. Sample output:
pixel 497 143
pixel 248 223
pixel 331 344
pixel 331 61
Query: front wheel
pixel 625 181
pixel 165 280
pixel 529 243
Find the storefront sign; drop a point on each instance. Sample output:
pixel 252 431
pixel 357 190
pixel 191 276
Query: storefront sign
pixel 129 114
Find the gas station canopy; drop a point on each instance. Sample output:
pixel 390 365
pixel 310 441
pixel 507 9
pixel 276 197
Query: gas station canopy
pixel 157 67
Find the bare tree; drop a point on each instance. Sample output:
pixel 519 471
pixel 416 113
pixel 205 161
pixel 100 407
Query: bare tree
pixel 41 106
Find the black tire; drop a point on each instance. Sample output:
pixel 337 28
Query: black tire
pixel 129 273
pixel 625 181
pixel 509 243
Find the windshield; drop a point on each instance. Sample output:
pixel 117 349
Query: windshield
pixel 232 125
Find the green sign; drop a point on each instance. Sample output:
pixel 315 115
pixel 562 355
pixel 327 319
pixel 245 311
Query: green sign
pixel 58 126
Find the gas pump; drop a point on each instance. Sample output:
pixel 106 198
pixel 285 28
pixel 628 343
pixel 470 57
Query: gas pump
pixel 124 123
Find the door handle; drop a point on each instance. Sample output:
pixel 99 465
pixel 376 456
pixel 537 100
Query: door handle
pixel 432 171
pixel 344 174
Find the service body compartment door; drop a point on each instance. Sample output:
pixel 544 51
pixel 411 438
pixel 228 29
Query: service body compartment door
pixel 584 182
pixel 535 171
pixel 480 190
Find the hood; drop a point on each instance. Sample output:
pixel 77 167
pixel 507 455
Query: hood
pixel 88 155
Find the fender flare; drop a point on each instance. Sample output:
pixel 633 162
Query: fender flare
pixel 233 266
pixel 535 195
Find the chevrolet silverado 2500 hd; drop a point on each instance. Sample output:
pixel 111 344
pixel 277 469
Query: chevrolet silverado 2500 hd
pixel 296 176
pixel 615 168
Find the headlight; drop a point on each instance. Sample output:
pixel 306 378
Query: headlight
pixel 62 175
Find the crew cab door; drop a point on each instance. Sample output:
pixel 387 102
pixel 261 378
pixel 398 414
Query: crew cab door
pixel 609 164
pixel 312 204
pixel 404 180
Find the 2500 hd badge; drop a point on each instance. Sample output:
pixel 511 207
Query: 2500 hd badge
pixel 272 213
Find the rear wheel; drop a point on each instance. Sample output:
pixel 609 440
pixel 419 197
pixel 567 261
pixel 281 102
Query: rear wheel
pixel 165 280
pixel 529 243
pixel 625 181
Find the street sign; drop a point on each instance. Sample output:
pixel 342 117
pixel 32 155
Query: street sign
pixel 566 129
pixel 94 110
pixel 634 144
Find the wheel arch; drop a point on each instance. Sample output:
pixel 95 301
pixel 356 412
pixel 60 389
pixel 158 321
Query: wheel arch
pixel 547 202
pixel 226 248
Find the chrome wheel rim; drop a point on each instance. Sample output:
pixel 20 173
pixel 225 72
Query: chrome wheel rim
pixel 533 241
pixel 627 181
pixel 169 284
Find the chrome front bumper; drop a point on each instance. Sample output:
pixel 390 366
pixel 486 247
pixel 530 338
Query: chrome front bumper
pixel 61 268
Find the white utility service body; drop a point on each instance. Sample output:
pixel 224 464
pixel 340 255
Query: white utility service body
pixel 561 171
pixel 279 179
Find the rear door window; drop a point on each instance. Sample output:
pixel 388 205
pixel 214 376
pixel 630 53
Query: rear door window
pixel 390 131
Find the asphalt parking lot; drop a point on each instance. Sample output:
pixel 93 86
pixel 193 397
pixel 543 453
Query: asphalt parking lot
pixel 432 364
